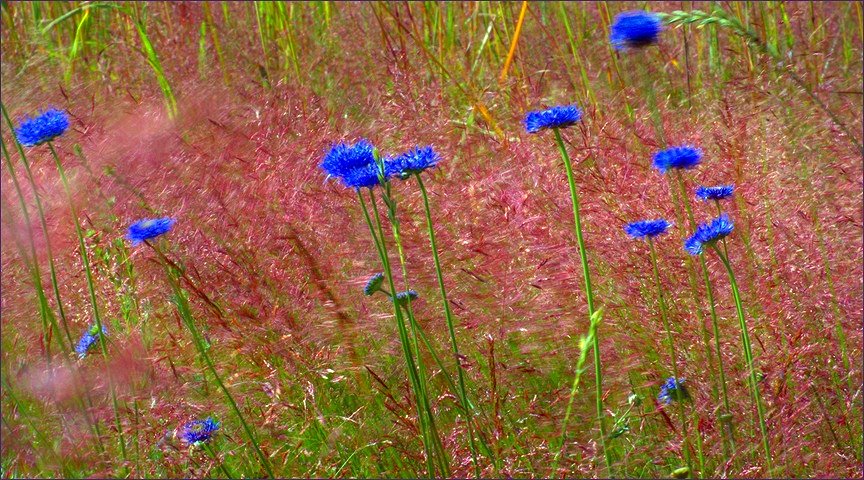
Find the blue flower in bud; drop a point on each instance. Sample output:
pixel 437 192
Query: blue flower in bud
pixel 373 284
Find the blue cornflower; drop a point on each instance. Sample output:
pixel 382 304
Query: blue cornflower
pixel 90 337
pixel 148 228
pixel 685 157
pixel 407 296
pixel 672 390
pixel 344 157
pixel 42 128
pixel 555 117
pixel 708 234
pixel 647 228
pixel 373 284
pixel 635 29
pixel 715 193
pixel 198 431
pixel 366 176
pixel 413 161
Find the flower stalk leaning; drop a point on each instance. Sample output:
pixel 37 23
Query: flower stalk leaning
pixel 43 129
pixel 358 166
pixel 707 235
pixel 555 119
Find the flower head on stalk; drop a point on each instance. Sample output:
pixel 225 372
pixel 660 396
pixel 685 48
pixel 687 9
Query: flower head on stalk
pixel 149 228
pixel 198 431
pixel 42 128
pixel 709 233
pixel 373 284
pixel 635 29
pixel 90 337
pixel 715 193
pixel 412 162
pixel 343 157
pixel 673 389
pixel 354 165
pixel 556 117
pixel 402 298
pixel 683 157
pixel 647 228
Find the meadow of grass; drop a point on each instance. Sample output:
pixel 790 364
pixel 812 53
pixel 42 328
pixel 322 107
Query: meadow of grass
pixel 251 309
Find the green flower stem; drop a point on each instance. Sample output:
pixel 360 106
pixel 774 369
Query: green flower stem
pixel 726 416
pixel 43 224
pixel 84 400
pixel 441 455
pixel 448 316
pixel 404 340
pixel 584 344
pixel 45 313
pixel 589 294
pixel 91 289
pixel 748 355
pixel 664 315
pixel 182 304
pixel 216 457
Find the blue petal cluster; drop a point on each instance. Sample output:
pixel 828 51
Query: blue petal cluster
pixel 353 164
pixel 647 228
pixel 684 157
pixel 634 29
pixel 555 117
pixel 373 284
pixel 413 161
pixel 708 234
pixel 148 228
pixel 715 193
pixel 407 296
pixel 87 340
pixel 42 128
pixel 198 431
pixel 672 390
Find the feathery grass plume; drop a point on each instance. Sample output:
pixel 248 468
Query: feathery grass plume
pixel 683 157
pixel 198 431
pixel 673 389
pixel 707 235
pixel 42 128
pixel 373 284
pixel 412 162
pixel 552 118
pixel 635 29
pixel 647 228
pixel 555 119
pixel 720 17
pixel 147 229
pixel 90 337
pixel 719 192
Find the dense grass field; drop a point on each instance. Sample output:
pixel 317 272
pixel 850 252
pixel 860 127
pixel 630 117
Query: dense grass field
pixel 250 309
